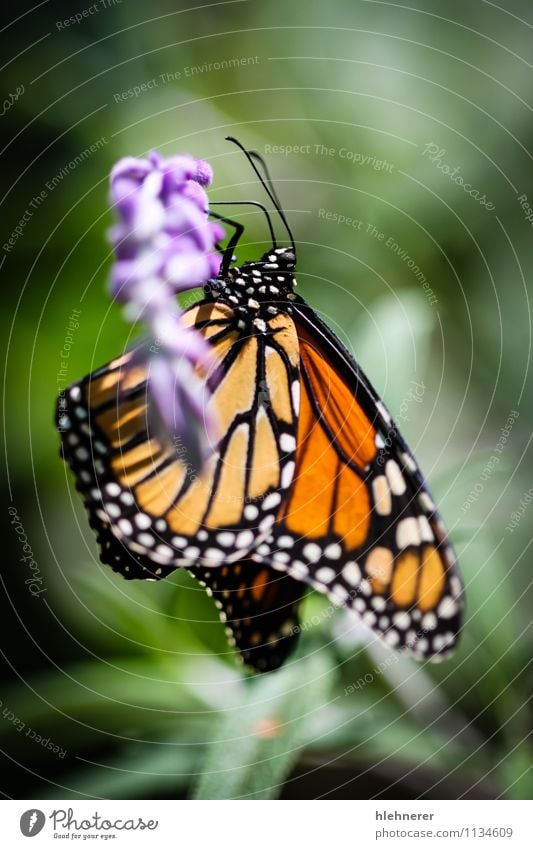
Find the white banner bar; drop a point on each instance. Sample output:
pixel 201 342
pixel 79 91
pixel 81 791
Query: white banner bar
pixel 229 824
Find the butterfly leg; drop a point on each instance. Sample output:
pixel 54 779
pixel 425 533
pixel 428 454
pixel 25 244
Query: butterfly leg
pixel 227 254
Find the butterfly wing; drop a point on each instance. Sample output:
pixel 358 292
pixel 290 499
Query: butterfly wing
pixel 138 486
pixel 358 522
pixel 259 606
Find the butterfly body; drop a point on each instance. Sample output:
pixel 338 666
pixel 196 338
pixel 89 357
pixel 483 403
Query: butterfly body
pixel 361 526
pixel 268 284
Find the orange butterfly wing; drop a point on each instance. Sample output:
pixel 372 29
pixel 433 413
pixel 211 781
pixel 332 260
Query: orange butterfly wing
pixel 259 607
pixel 138 487
pixel 358 523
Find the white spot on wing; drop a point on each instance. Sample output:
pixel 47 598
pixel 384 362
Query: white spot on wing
pixel 352 573
pixel 325 574
pixel 408 462
pixel 244 539
pixel 425 502
pixel 447 607
pixel 333 551
pixel 312 551
pixel 142 521
pixel 226 538
pixel 407 533
pixel 287 475
pixel 125 526
pixel 271 500
pixel 383 411
pixel 146 539
pixel 214 556
pixel 287 442
pixel 382 495
pixel 426 533
pixel 295 392
pixel 395 478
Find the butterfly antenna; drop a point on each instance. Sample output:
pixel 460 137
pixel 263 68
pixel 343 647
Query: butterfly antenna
pixel 265 183
pixel 250 203
pixel 268 178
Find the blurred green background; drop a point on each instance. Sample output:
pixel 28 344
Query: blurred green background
pixel 119 690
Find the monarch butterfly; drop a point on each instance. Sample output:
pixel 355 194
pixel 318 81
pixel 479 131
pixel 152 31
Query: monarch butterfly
pixel 309 483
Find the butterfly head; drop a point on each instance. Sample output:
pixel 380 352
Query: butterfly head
pixel 256 287
pixel 283 259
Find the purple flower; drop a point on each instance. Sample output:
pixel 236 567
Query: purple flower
pixel 164 244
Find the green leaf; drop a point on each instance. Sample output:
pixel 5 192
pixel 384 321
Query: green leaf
pixel 256 743
pixel 136 772
pixel 516 773
pixel 118 696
